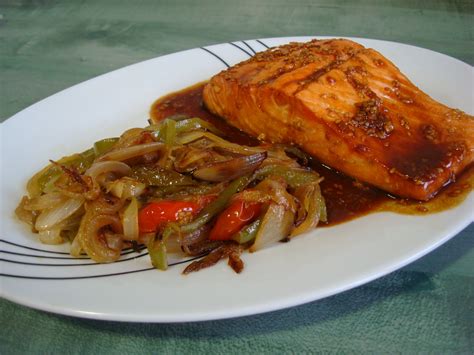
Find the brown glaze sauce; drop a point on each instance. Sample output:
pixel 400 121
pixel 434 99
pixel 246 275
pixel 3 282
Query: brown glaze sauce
pixel 345 197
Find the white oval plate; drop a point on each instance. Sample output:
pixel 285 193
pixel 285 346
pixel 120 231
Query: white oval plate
pixel 313 266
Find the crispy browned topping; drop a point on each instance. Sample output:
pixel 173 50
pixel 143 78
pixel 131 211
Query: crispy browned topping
pixel 404 123
pixel 363 90
pixel 371 118
pixel 429 132
pixel 456 150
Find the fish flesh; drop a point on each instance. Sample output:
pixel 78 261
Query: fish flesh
pixel 352 109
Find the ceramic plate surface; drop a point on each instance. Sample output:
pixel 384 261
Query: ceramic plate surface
pixel 316 265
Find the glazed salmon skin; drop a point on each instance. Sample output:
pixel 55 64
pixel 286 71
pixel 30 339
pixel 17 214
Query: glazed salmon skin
pixel 352 109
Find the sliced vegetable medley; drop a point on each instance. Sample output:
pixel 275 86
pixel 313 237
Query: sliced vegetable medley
pixel 178 187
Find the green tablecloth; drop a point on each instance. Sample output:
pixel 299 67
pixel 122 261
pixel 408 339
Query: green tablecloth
pixel 49 45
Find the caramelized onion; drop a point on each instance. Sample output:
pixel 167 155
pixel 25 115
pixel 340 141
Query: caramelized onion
pixel 275 226
pixel 130 220
pixel 202 247
pixel 51 217
pixel 105 204
pixel 189 158
pixel 230 169
pixel 105 167
pixel 189 242
pixel 23 214
pixel 45 201
pixel 312 207
pixel 190 137
pixel 76 248
pixel 114 241
pixel 92 238
pixel 75 185
pixel 236 148
pixel 132 151
pixel 129 137
pixel 275 187
pixel 126 187
pixel 51 236
pixel 173 246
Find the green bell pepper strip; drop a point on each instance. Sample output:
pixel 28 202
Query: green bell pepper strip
pixel 103 146
pixel 167 132
pixel 176 192
pixel 157 247
pixel 169 128
pixel 157 251
pixel 161 177
pixel 83 161
pixel 293 176
pixel 248 233
pixel 196 123
pixel 178 117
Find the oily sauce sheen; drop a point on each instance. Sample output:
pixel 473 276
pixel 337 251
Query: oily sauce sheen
pixel 345 197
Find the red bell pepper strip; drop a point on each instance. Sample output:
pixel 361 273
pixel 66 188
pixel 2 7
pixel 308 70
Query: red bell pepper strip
pixel 156 214
pixel 234 218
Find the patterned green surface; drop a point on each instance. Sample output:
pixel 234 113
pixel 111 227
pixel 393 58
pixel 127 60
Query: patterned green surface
pixel 48 45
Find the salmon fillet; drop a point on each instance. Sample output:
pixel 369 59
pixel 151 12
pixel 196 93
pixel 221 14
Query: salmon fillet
pixel 352 109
